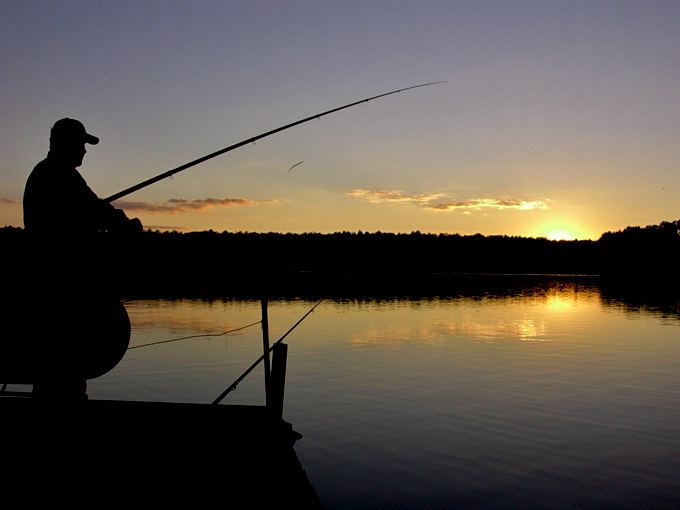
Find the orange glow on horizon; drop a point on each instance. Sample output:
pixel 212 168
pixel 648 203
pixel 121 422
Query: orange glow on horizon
pixel 561 235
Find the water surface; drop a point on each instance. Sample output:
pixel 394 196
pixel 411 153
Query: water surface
pixel 552 397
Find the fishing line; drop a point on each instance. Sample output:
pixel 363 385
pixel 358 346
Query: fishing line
pixel 194 336
pixel 296 164
pixel 252 367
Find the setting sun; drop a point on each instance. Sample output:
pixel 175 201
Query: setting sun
pixel 561 232
pixel 561 235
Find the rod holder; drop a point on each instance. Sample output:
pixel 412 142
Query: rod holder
pixel 278 379
pixel 265 348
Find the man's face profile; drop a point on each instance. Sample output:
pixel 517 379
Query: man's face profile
pixel 79 152
pixel 68 139
pixel 72 152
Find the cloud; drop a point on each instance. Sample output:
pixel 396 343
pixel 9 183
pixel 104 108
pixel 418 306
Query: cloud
pixel 181 205
pixel 4 200
pixel 487 203
pixel 166 228
pixel 429 201
pixel 392 196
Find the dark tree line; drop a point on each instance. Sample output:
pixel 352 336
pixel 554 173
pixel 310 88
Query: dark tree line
pixel 197 261
pixel 644 250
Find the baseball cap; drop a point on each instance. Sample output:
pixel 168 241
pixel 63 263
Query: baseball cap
pixel 72 130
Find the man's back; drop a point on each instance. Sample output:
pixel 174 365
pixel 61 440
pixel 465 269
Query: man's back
pixel 58 201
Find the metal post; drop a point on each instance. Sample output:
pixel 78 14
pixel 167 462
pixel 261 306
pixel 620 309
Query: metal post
pixel 265 346
pixel 279 359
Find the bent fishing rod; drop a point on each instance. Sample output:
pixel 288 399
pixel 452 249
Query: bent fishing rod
pixel 172 172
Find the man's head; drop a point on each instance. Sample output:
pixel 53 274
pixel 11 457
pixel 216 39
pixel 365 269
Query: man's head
pixel 67 141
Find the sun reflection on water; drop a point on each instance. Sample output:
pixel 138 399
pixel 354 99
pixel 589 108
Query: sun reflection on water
pixel 537 317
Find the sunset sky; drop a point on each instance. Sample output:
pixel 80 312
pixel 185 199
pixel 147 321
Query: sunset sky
pixel 558 119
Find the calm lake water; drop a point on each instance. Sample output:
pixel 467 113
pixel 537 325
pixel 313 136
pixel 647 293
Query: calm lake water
pixel 553 397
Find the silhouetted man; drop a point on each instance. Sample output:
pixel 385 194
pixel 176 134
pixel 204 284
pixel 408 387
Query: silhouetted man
pixel 71 270
pixel 58 201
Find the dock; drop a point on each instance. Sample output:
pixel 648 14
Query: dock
pixel 83 451
pixel 152 452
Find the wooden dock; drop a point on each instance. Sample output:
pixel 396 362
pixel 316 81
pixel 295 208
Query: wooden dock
pixel 86 451
pixel 151 452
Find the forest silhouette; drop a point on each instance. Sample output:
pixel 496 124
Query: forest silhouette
pixel 208 262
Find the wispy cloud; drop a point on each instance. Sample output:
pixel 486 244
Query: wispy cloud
pixel 180 205
pixel 168 228
pixel 393 196
pixel 487 203
pixel 434 201
pixel 4 200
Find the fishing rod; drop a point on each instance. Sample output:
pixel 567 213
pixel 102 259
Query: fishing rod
pixel 172 172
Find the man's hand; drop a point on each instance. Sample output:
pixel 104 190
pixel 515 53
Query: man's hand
pixel 134 225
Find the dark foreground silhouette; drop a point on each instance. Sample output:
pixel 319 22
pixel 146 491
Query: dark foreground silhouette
pixel 59 346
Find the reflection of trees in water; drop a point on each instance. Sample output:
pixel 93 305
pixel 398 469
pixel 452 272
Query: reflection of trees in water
pixel 658 299
pixel 661 298
pixel 468 287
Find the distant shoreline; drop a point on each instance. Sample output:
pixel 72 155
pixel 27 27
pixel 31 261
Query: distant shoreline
pixel 211 263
